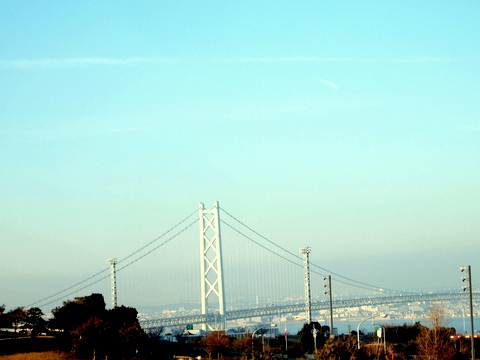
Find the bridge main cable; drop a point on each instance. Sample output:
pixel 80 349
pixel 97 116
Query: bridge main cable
pixel 346 280
pixel 75 288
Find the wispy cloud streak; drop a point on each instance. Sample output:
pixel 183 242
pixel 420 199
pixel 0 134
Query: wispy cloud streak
pixel 88 61
pixel 329 83
pixel 71 131
pixel 105 61
pixel 418 59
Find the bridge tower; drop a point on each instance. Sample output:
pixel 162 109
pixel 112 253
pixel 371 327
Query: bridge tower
pixel 213 296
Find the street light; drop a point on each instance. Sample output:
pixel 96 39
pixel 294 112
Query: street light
pixel 361 322
pixel 253 334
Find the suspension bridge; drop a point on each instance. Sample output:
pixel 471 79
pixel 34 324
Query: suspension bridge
pixel 244 276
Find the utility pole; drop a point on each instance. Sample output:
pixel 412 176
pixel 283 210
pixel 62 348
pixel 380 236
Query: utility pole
pixel 308 298
pixel 469 287
pixel 328 285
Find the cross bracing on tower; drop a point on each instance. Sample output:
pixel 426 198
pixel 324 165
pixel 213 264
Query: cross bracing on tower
pixel 211 263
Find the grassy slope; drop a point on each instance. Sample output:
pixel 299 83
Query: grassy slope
pixel 46 355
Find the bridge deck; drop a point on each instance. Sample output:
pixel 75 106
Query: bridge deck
pixel 297 308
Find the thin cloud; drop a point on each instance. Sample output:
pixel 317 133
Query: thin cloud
pixel 425 59
pixel 290 59
pixel 105 61
pixel 66 62
pixel 329 83
pixel 71 131
pixel 417 59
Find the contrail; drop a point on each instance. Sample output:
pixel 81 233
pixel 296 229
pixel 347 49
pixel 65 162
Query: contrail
pixel 329 83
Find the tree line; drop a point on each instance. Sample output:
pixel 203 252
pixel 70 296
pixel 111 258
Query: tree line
pixel 83 326
pixel 29 319
pixel 404 343
pixel 86 328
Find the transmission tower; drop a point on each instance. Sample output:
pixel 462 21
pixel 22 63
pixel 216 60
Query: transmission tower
pixel 308 299
pixel 113 279
pixel 211 267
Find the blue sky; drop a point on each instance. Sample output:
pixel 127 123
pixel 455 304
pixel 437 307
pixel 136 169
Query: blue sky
pixel 350 127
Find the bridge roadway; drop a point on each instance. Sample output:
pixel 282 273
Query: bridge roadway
pixel 299 308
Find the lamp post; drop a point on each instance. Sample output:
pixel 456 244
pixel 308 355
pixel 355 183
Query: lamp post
pixel 253 334
pixel 361 322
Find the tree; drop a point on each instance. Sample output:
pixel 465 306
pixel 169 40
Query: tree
pixel 35 321
pixel 115 334
pixel 244 344
pixel 341 348
pixel 3 318
pixel 434 343
pixel 91 329
pixel 402 340
pixel 75 313
pixel 307 338
pixel 157 333
pixel 122 333
pixel 94 303
pixel 15 318
pixel 216 343
pixel 87 339
pixel 403 334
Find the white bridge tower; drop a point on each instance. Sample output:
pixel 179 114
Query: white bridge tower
pixel 213 296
